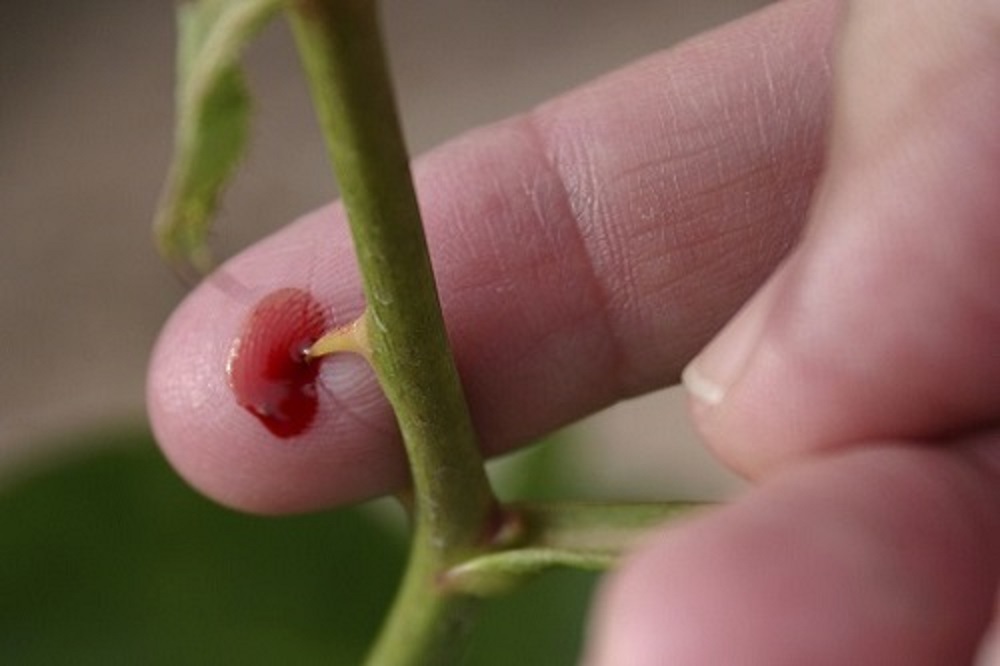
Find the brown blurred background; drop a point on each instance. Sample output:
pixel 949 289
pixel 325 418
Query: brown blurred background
pixel 85 126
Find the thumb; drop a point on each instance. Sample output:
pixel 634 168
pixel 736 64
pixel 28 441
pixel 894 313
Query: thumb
pixel 885 322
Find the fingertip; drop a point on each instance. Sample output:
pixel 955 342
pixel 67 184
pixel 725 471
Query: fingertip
pixel 715 383
pixel 348 451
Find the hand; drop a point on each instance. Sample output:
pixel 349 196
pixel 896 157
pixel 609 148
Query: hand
pixel 587 250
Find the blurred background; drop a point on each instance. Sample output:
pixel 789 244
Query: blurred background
pixel 86 114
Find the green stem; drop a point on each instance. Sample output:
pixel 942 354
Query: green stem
pixel 590 536
pixel 598 527
pixel 340 45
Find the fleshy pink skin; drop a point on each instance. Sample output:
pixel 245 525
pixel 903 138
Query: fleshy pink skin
pixel 268 370
pixel 585 251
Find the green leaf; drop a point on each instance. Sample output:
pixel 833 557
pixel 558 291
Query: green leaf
pixel 213 109
pixel 111 559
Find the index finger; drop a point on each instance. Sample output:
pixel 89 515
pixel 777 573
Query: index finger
pixel 583 252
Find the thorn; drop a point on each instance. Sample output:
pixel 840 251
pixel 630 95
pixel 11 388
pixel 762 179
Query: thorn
pixel 352 338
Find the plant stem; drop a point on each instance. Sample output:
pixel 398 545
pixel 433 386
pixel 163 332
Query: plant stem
pixel 340 45
pixel 580 535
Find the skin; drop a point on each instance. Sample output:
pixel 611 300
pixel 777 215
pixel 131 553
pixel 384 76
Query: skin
pixel 846 158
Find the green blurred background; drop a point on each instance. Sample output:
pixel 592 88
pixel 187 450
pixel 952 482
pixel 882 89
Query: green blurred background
pixel 105 557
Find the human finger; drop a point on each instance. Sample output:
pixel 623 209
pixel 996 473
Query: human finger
pixel 883 555
pixel 582 251
pixel 885 321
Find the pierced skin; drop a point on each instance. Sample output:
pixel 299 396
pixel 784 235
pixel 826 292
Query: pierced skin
pixel 270 371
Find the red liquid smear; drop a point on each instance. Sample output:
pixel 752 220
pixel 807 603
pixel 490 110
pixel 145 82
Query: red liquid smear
pixel 268 370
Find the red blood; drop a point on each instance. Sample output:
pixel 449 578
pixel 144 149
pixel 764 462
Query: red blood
pixel 269 372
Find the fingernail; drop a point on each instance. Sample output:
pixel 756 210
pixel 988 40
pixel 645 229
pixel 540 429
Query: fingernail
pixel 710 376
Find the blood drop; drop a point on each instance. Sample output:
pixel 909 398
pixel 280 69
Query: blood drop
pixel 269 372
